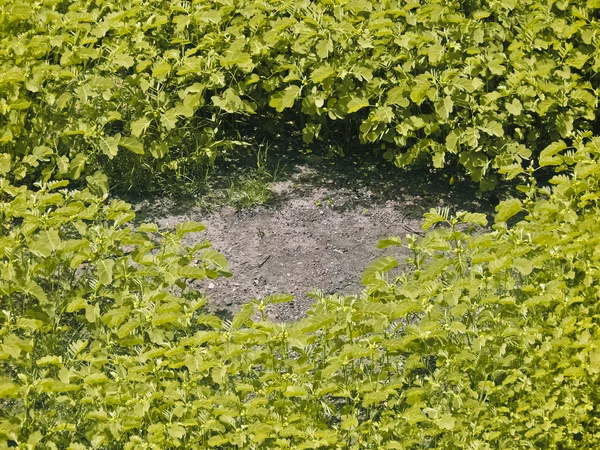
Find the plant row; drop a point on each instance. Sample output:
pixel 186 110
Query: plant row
pixel 155 90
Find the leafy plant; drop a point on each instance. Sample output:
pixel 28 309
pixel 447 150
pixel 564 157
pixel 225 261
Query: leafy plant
pixel 489 340
pixel 158 90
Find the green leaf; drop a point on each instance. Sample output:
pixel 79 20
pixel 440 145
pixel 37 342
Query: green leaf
pixel 77 165
pixel 493 128
pixel 515 107
pixel 96 378
pixel 395 96
pixel 159 149
pixel 435 53
pixel 349 422
pixel 236 58
pixel 49 360
pixel 105 271
pixel 8 389
pixel 161 69
pixel 115 317
pixel 374 398
pixel 508 208
pixel 148 228
pixel 169 119
pixel 210 321
pixel 524 266
pixel 295 391
pixel 128 327
pixel 4 163
pixel 110 145
pixel 446 422
pixel 356 104
pixel 189 227
pixel 548 155
pixel 322 73
pixel 35 290
pixel 444 107
pixel 476 218
pixel 46 242
pixel 419 91
pixel 285 99
pixel 216 258
pixel 243 317
pixel 434 216
pixel 139 126
pixel 377 267
pixel 275 299
pixel 392 241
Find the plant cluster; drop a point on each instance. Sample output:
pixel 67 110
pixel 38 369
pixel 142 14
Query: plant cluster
pixel 487 339
pixel 153 90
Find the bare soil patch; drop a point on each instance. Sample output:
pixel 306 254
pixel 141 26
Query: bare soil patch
pixel 320 230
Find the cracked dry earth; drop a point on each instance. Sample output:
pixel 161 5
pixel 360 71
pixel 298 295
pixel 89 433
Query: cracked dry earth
pixel 318 232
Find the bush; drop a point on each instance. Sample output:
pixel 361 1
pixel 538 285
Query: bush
pixel 488 341
pixel 159 88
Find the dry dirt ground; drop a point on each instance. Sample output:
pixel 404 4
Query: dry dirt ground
pixel 320 230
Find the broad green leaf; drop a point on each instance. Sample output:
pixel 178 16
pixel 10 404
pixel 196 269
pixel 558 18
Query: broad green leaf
pixel 374 398
pixel 378 266
pixel 493 128
pixel 508 208
pixel 139 126
pixel 395 96
pixel 285 99
pixel 548 155
pixel 189 227
pixel 349 422
pixel 77 165
pixel 392 241
pixel 356 104
pixel 115 317
pixel 169 119
pixel 105 271
pixel 35 290
pixel 110 145
pixel 8 389
pixel 161 69
pixel 210 321
pixel 46 242
pixel 322 73
pixel 236 58
pixel 515 107
pixel 96 378
pixel 446 422
pixel 159 149
pixel 4 163
pixel 434 216
pixel 444 107
pixel 435 53
pixel 295 391
pixel 524 266
pixel 243 317
pixel 132 144
pixel 476 218
pixel 128 327
pixel 213 256
pixel 275 299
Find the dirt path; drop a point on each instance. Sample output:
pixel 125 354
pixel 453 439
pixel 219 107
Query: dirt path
pixel 319 232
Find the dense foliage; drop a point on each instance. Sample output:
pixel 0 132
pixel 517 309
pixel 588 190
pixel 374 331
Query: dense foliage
pixel 151 87
pixel 487 338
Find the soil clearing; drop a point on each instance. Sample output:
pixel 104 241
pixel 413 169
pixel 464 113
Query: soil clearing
pixel 320 231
